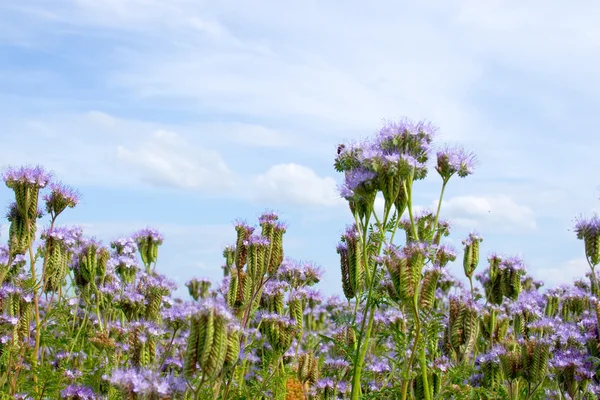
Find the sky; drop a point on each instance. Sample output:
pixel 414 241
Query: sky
pixel 185 115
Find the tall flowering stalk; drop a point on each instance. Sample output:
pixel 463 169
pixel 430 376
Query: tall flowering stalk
pixel 26 183
pixel 389 164
pixel 588 230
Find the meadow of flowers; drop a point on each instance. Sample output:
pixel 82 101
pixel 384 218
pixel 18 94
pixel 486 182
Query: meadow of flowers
pixel 85 320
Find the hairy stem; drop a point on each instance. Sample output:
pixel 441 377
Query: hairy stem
pixel 361 346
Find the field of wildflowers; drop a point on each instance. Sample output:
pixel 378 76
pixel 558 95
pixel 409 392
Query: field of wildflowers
pixel 85 320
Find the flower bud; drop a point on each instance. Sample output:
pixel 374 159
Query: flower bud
pixel 471 254
pixel 148 241
pixel 428 288
pixel 308 368
pixel 229 254
pixel 589 231
pixel 233 346
pixel 241 251
pixel 342 250
pixel 352 254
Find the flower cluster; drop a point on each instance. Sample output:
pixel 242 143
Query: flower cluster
pixel 83 320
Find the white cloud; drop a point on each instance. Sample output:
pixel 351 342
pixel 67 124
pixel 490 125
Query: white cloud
pixel 489 213
pixel 509 77
pixel 565 273
pixel 257 135
pixel 295 184
pixel 168 159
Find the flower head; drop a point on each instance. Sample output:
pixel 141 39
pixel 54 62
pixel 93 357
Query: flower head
pixel 455 160
pixel 28 176
pixel 77 392
pixel 60 197
pixel 587 227
pixel 148 234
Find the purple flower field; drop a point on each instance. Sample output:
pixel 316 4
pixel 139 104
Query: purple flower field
pixel 81 319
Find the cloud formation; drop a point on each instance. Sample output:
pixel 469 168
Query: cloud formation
pixel 168 159
pixel 257 95
pixel 295 184
pixel 497 214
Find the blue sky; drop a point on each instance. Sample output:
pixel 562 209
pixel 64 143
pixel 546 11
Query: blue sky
pixel 185 115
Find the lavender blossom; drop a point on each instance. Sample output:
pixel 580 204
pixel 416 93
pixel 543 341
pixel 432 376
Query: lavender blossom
pixel 60 197
pixel 35 176
pixel 455 160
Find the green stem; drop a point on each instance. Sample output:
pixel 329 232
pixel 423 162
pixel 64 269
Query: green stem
pixel 492 327
pixel 79 331
pixel 423 363
pixel 199 390
pixel 408 192
pixel 361 348
pixel 439 207
pixel 413 353
pixel 266 381
pixel 471 285
pixel 358 361
pixel 98 312
pixel 168 349
pixel 594 285
pixel 36 299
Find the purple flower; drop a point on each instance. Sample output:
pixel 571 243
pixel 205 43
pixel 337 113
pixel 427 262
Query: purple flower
pixel 473 237
pixel 336 364
pixel 379 366
pixel 257 240
pixel 8 320
pixel 60 197
pixel 69 236
pixel 78 392
pixel 492 356
pixel 275 287
pixel 444 254
pixel 414 248
pixel 149 282
pixel 326 383
pixel 357 177
pixel 442 364
pixel 345 191
pixel 212 305
pixel 313 296
pixel 124 246
pixel 268 217
pixel 299 274
pixel 455 160
pixel 395 133
pixel 35 176
pixel 587 227
pixel 282 320
pixel 343 387
pixel 243 225
pixel 149 234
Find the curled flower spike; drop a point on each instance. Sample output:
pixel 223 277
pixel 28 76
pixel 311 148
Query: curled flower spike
pixel 27 176
pixel 588 229
pixel 60 245
pixel 268 217
pixel 60 197
pixel 198 288
pixel 455 160
pixel 148 240
pixel 149 234
pixel 471 254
